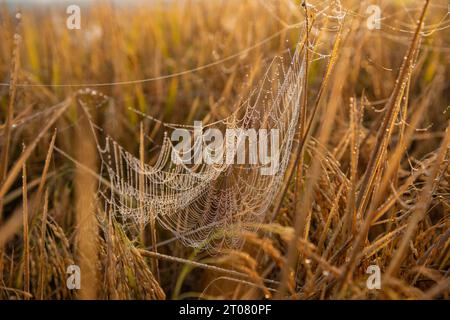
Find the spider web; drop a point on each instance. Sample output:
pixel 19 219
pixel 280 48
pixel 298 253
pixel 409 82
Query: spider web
pixel 202 204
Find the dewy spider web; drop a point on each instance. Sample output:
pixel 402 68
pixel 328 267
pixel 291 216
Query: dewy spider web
pixel 203 204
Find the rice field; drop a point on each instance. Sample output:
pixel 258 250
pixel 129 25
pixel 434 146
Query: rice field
pixel 360 205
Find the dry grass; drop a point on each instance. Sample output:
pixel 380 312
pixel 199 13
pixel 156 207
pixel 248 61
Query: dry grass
pixel 368 180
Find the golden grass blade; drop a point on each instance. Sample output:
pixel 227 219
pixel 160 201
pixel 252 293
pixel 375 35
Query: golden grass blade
pixel 87 226
pixel 26 241
pixel 42 263
pixel 392 110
